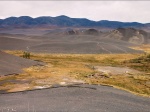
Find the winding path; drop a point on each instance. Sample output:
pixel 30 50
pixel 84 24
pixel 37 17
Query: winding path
pixel 119 48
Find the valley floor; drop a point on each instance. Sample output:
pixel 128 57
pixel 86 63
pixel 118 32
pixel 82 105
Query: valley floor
pixel 117 70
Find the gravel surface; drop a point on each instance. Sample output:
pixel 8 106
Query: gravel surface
pixel 10 64
pixel 75 98
pixel 116 70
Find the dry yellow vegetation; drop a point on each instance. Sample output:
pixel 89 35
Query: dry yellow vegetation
pixel 61 68
pixel 144 47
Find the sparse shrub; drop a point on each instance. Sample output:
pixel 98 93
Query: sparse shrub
pixel 135 61
pixel 141 59
pixel 26 55
pixel 148 56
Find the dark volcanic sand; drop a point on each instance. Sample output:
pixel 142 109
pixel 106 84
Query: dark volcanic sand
pixel 79 44
pixel 10 64
pixel 79 98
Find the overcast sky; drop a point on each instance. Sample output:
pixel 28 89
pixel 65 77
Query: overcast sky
pixel 126 11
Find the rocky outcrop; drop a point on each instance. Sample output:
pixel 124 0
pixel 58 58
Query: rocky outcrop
pixel 130 35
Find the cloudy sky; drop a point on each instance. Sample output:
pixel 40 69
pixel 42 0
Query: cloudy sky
pixel 126 11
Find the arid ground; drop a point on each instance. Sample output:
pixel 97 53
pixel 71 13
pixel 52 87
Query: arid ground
pixel 73 72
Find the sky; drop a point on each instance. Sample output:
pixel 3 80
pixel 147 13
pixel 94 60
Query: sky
pixel 125 11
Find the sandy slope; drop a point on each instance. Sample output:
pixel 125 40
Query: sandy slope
pixel 10 64
pixel 60 42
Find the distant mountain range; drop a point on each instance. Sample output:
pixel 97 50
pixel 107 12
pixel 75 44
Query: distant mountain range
pixel 64 21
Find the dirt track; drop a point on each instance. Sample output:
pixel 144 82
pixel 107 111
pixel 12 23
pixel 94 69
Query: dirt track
pixel 116 70
pixel 77 98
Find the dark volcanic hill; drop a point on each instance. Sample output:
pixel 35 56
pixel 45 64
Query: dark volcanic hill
pixel 26 21
pixel 130 35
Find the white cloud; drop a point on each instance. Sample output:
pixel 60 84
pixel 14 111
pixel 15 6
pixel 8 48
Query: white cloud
pixel 95 10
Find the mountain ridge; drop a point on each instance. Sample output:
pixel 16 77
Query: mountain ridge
pixel 66 21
